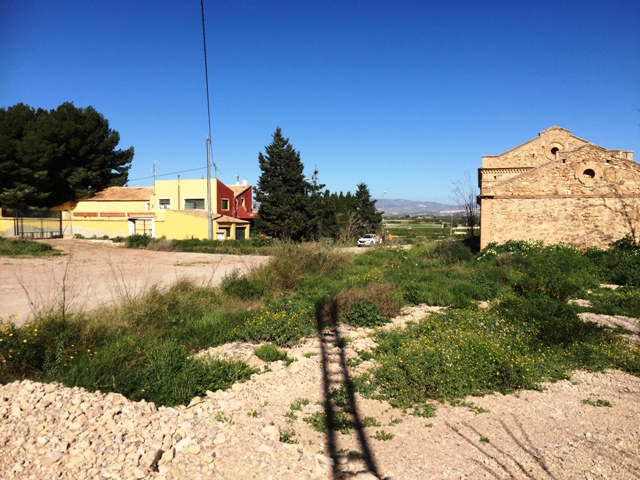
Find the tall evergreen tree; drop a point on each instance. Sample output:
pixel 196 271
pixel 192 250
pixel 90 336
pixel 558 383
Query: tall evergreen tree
pixel 322 214
pixel 50 157
pixel 368 219
pixel 282 191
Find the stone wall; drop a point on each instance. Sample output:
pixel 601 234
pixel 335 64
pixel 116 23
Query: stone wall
pixel 536 152
pixel 559 188
pixel 580 221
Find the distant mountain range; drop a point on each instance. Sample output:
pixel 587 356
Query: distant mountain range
pixel 410 207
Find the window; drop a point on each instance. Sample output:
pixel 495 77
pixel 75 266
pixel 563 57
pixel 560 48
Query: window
pixel 194 203
pixel 141 226
pixel 225 204
pixel 164 204
pixel 243 202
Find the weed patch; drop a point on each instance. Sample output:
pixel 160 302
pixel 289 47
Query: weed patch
pixel 270 353
pixel 457 353
pixel 597 403
pixel 282 322
pixel 25 248
pixel 622 301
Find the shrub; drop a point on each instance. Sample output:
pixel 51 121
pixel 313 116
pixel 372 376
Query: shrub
pixel 281 321
pixel 165 374
pixel 269 353
pixel 470 352
pixel 239 286
pixel 453 251
pixel 292 263
pixel 137 241
pixel 620 263
pixel 14 248
pixel 161 245
pixel 558 271
pixel 364 314
pixel 179 304
pixel 622 301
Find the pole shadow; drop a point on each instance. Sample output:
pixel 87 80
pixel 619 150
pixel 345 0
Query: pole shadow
pixel 335 375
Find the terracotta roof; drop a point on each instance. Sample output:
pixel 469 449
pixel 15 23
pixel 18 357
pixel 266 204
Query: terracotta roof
pixel 123 194
pixel 226 219
pixel 65 207
pixel 238 189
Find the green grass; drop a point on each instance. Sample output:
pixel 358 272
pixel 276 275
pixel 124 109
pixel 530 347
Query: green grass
pixel 518 345
pixel 270 353
pixel 622 301
pixel 253 246
pixel 597 403
pixel 382 436
pixel 144 347
pixel 25 248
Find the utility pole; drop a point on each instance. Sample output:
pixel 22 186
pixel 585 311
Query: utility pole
pixel 383 224
pixel 206 74
pixel 209 215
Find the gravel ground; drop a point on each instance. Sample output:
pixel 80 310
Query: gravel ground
pixel 50 431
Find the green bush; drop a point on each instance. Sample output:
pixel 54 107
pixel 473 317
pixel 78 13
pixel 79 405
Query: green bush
pixel 281 321
pixel 215 327
pixel 558 271
pixel 620 263
pixel 452 251
pixel 17 248
pixel 178 305
pixel 241 287
pixel 470 352
pixel 270 353
pixel 230 247
pixel 137 241
pixel 622 301
pixel 364 314
pixel 164 374
pixel 291 264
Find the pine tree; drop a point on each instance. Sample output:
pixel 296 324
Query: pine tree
pixel 322 214
pixel 368 219
pixel 282 192
pixel 50 157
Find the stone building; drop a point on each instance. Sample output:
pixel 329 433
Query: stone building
pixel 559 188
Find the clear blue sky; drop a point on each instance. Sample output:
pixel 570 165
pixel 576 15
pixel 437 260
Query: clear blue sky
pixel 402 95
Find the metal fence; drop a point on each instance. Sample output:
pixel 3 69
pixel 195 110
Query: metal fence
pixel 37 224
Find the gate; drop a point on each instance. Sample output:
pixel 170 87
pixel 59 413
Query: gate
pixel 37 224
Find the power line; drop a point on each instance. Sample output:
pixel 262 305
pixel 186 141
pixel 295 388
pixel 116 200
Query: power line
pixel 166 174
pixel 206 76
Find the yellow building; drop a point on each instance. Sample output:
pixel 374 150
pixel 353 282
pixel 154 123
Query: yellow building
pixel 175 209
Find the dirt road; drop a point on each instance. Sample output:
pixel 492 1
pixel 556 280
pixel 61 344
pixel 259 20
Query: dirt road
pixel 94 273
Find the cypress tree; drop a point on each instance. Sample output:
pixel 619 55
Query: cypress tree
pixel 282 192
pixel 368 218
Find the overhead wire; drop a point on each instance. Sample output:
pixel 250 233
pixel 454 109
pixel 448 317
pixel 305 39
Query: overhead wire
pixel 166 174
pixel 206 74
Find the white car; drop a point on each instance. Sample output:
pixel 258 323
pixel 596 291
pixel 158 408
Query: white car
pixel 367 240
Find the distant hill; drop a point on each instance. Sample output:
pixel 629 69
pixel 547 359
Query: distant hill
pixel 411 207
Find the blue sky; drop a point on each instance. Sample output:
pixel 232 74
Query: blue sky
pixel 405 96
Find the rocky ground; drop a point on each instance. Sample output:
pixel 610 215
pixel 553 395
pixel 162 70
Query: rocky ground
pixel 48 431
